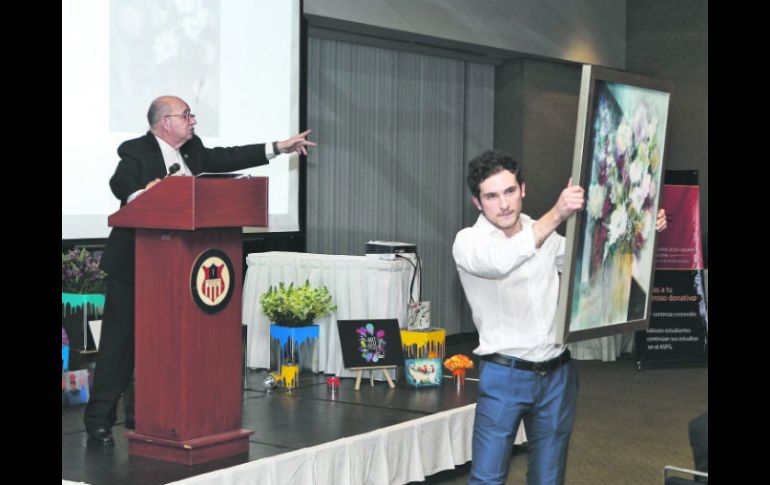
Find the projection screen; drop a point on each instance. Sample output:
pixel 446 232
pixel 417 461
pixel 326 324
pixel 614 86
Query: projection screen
pixel 235 62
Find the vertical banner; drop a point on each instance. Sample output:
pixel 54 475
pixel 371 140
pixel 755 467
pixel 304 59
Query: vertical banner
pixel 678 330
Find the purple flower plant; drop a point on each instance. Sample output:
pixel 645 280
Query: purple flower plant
pixel 80 272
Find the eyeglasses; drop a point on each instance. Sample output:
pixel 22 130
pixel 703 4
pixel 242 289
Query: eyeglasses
pixel 186 116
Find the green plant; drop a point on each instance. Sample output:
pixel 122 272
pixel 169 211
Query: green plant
pixel 292 306
pixel 80 272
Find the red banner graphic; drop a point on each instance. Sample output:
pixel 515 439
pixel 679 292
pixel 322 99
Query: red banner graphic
pixel 679 246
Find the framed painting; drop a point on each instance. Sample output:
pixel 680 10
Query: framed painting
pixel 370 343
pixel 610 246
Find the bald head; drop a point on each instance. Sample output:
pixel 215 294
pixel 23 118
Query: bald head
pixel 160 107
pixel 170 120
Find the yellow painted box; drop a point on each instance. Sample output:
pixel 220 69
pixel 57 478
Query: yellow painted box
pixel 424 343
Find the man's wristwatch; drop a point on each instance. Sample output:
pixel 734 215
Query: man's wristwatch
pixel 276 151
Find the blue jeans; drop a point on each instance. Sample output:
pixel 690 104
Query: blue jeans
pixel 545 403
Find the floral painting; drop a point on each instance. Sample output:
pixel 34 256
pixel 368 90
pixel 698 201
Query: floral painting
pixel 614 238
pixel 370 343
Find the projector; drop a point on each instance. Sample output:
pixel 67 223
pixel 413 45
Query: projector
pixel 389 249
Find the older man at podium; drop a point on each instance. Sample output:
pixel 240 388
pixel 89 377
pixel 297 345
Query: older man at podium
pixel 170 147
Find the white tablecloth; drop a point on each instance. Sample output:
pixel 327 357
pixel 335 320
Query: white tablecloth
pixel 606 349
pixel 394 455
pixel 362 287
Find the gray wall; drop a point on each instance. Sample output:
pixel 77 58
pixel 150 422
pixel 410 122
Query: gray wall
pixel 588 31
pixel 409 144
pixel 535 119
pixel 536 101
pixel 669 40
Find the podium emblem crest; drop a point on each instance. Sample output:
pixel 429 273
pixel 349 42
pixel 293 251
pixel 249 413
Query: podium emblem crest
pixel 211 280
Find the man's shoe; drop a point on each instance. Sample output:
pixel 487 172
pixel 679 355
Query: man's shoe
pixel 101 435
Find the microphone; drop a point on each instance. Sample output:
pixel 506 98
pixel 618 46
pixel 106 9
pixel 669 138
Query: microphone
pixel 173 169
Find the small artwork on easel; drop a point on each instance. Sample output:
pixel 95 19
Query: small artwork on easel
pixel 370 345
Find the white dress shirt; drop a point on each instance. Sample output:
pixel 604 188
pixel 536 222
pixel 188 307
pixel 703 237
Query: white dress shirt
pixel 512 288
pixel 171 156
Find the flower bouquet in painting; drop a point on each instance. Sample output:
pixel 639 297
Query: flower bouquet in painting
pixel 626 151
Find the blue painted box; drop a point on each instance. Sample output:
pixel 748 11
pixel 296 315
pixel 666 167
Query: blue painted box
pixel 297 345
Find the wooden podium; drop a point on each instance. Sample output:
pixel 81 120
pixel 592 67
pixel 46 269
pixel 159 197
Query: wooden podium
pixel 189 356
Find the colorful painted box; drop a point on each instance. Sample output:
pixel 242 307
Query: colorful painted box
pixel 75 387
pixel 294 345
pixel 424 343
pixel 422 372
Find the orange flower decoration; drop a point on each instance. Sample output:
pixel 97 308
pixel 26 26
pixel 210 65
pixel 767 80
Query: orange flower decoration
pixel 458 361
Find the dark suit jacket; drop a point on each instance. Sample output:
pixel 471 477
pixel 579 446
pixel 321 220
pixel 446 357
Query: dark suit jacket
pixel 141 161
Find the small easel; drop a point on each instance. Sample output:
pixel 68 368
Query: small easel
pixel 384 369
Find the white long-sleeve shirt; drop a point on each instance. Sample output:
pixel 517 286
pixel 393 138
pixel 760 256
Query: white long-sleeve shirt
pixel 512 288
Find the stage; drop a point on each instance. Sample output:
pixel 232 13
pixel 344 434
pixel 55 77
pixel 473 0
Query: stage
pixel 335 435
pixel 629 424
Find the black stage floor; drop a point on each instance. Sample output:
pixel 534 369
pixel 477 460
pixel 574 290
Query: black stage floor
pixel 283 420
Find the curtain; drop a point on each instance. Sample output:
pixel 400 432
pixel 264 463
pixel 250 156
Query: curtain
pixel 394 132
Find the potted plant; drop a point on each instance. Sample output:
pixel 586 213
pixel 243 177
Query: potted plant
pixel 82 286
pixel 80 272
pixel 292 311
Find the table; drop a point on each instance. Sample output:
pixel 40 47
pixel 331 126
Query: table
pixel 362 287
pixel 606 349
